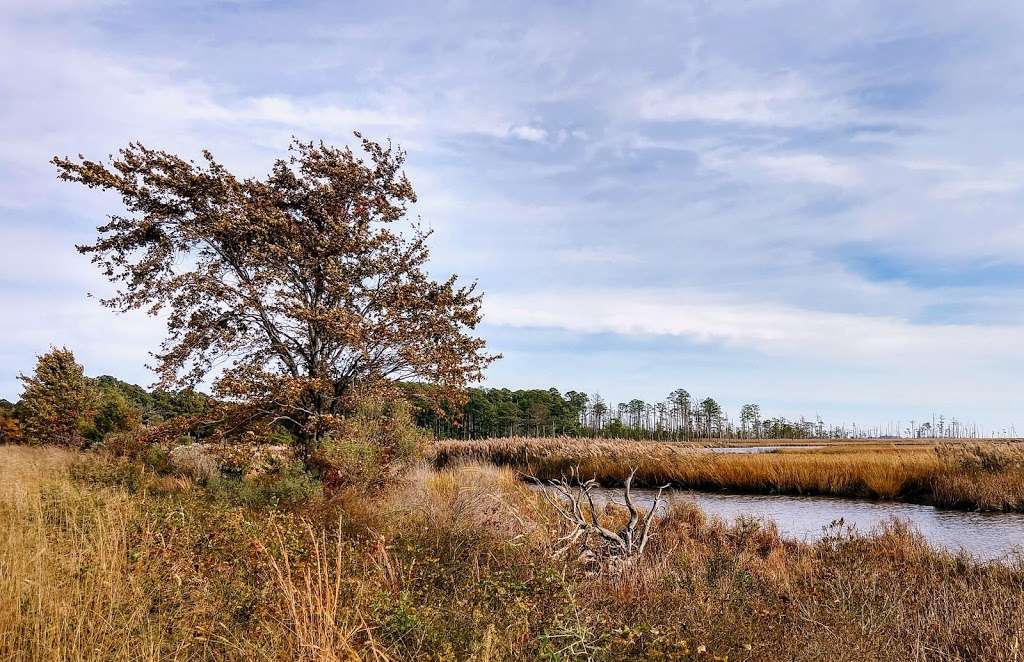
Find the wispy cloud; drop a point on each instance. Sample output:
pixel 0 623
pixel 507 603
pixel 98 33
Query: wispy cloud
pixel 810 168
pixel 776 329
pixel 786 103
pixel 529 133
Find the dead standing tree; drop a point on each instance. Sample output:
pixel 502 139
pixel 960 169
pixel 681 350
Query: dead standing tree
pixel 575 504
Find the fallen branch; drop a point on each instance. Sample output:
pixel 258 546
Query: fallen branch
pixel 573 500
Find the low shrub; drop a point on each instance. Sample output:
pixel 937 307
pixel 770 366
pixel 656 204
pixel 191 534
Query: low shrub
pixel 373 447
pixel 288 488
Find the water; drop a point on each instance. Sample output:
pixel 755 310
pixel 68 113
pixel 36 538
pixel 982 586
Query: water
pixel 756 449
pixel 986 536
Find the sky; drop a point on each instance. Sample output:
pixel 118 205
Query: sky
pixel 810 206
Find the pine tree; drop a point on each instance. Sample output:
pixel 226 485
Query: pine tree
pixel 58 399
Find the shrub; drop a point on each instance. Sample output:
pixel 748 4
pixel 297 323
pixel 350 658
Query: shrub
pixel 10 429
pixel 114 414
pixel 109 470
pixel 194 461
pixel 375 445
pixel 248 458
pixel 290 487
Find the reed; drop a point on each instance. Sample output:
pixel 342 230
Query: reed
pixel 974 476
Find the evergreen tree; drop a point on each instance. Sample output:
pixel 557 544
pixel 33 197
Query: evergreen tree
pixel 58 400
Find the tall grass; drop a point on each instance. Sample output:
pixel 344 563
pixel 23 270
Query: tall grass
pixel 96 572
pixel 110 562
pixel 977 476
pixel 64 589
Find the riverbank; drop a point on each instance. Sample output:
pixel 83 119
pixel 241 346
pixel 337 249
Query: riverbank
pixel 967 475
pixel 104 559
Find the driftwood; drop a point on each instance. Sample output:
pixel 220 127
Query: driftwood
pixel 572 498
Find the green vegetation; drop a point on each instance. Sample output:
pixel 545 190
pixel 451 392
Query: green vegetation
pixel 60 405
pixel 501 412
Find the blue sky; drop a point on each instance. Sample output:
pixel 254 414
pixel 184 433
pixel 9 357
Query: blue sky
pixel 813 206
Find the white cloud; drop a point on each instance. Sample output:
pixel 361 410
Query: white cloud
pixel 313 116
pixel 594 255
pixel 975 187
pixel 773 329
pixel 785 102
pixel 528 133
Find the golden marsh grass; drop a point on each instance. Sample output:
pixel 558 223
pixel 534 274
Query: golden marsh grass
pixel 987 476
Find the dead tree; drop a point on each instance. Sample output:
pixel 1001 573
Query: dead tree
pixel 575 503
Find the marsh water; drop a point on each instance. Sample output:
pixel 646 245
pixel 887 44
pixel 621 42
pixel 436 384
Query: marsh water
pixel 986 536
pixel 746 450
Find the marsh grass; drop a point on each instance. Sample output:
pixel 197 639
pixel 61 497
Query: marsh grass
pixel 975 476
pixel 454 564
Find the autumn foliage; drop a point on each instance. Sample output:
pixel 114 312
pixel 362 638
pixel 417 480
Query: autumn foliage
pixel 295 292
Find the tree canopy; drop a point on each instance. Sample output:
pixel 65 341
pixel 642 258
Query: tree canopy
pixel 293 291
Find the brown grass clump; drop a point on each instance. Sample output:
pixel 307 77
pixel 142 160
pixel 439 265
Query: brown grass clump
pixel 981 476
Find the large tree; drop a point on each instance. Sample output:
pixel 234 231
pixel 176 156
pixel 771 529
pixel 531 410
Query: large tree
pixel 295 288
pixel 711 411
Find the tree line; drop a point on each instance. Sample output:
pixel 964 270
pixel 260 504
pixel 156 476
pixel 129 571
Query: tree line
pixel 501 412
pixel 61 404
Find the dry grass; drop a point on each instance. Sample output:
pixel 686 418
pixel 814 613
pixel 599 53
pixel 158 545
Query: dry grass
pixel 65 592
pixel 90 572
pixel 455 565
pixel 986 476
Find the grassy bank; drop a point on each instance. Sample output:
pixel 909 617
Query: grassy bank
pixel 105 560
pixel 985 476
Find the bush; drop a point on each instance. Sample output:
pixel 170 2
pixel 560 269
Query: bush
pixel 375 445
pixel 114 414
pixel 111 471
pixel 291 487
pixel 249 458
pixel 10 428
pixel 194 461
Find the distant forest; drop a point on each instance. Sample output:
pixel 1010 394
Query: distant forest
pixel 501 412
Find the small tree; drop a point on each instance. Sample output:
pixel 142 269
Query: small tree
pixel 294 288
pixel 750 416
pixel 58 399
pixel 10 428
